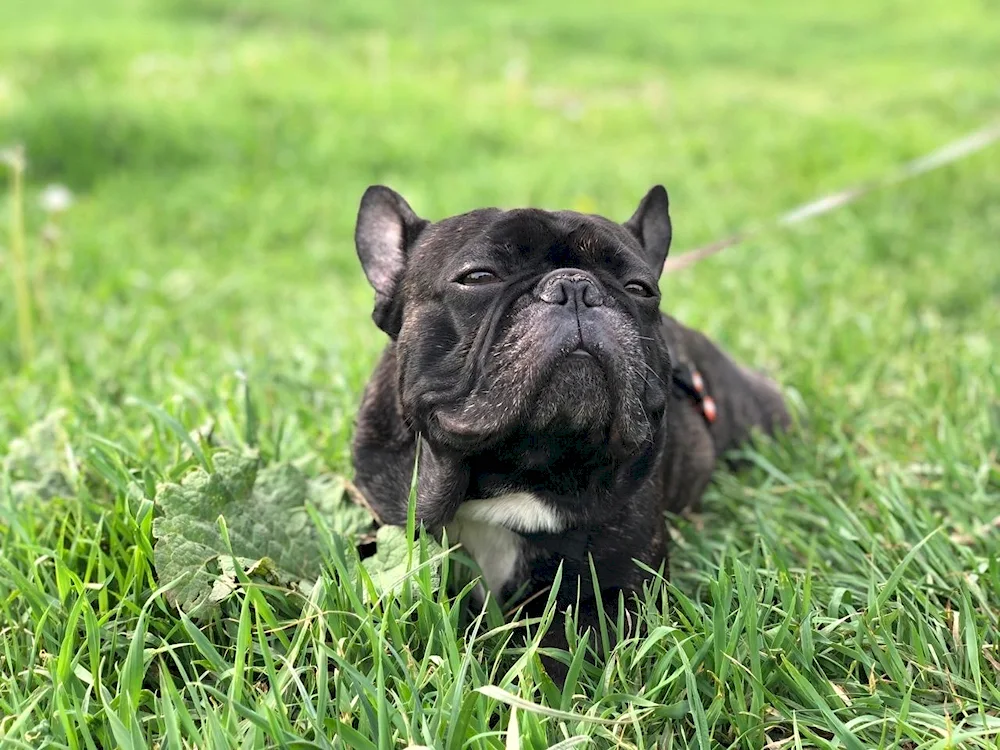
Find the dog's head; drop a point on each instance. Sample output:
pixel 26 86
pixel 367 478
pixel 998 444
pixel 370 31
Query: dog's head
pixel 521 322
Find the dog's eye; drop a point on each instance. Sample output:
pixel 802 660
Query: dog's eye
pixel 478 278
pixel 638 289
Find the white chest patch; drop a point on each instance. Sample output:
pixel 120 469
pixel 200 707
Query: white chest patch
pixel 488 529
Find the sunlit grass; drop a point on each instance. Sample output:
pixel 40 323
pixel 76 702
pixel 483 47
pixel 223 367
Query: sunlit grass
pixel 842 592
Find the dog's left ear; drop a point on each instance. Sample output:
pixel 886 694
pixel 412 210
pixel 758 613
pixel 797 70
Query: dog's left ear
pixel 651 226
pixel 385 231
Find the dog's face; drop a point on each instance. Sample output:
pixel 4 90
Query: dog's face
pixel 522 322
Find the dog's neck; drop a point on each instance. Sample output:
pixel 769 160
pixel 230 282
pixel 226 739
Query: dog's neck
pixel 540 464
pixel 578 476
pixel 584 477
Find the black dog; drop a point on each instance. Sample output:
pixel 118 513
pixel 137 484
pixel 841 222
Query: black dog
pixel 560 413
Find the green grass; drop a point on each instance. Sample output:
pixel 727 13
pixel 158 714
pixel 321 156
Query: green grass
pixel 844 592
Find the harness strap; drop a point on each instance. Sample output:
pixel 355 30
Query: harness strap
pixel 689 381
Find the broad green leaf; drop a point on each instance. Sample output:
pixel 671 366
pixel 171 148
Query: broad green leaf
pixel 388 568
pixel 265 509
pixel 38 462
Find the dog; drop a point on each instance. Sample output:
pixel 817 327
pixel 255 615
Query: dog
pixel 559 413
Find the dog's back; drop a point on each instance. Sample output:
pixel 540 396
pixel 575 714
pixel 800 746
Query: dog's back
pixel 741 401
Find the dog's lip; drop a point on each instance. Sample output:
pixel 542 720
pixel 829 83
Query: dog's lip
pixel 454 425
pixel 581 350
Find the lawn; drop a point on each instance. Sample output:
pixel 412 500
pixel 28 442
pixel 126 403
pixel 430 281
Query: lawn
pixel 201 297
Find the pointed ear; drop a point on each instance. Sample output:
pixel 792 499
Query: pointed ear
pixel 651 226
pixel 385 231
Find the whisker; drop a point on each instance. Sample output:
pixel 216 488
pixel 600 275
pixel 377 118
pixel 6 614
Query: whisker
pixel 655 374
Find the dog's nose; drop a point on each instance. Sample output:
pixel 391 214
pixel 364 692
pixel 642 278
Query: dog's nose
pixel 567 286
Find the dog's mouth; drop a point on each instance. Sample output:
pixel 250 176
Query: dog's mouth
pixel 590 369
pixel 577 397
pixel 573 390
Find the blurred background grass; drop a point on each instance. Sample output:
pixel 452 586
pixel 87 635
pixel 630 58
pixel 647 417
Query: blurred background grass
pixel 217 152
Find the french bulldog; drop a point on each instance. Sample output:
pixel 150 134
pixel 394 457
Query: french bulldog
pixel 559 413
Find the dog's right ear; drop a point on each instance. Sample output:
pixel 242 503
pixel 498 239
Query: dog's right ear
pixel 385 231
pixel 651 226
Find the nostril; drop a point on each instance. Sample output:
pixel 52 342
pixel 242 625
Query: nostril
pixel 591 296
pixel 569 285
pixel 556 293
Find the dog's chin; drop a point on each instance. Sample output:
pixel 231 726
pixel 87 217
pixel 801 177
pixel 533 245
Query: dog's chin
pixel 577 399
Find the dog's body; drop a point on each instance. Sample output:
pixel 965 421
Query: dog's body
pixel 529 354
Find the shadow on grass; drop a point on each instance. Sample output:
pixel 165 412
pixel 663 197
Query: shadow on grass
pixel 80 143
